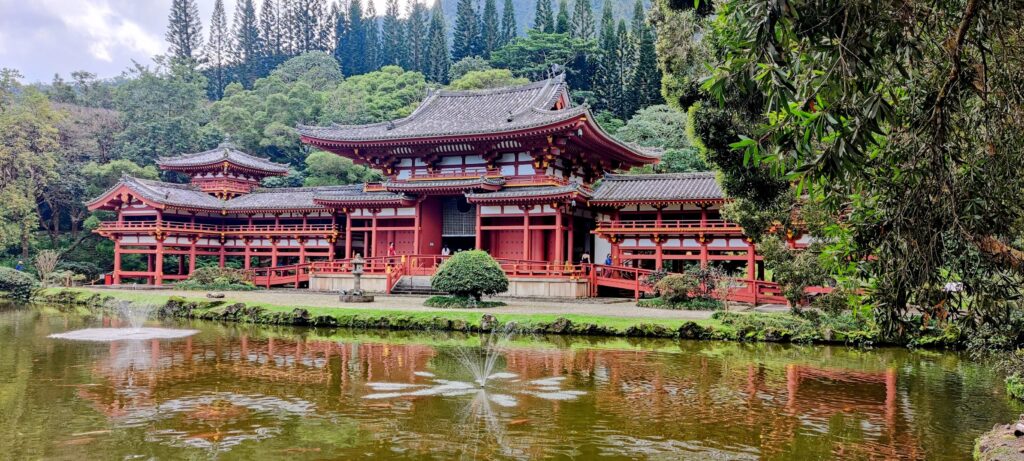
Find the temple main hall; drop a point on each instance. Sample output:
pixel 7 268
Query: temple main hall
pixel 519 172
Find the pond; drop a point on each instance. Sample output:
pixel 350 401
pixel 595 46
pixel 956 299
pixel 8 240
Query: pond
pixel 248 392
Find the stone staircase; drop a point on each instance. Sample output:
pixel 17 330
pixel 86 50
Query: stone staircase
pixel 414 285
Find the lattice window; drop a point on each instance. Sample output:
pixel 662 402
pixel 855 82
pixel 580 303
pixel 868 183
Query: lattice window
pixel 459 218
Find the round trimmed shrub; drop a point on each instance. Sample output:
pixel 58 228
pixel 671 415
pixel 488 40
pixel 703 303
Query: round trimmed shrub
pixel 470 274
pixel 676 288
pixel 18 285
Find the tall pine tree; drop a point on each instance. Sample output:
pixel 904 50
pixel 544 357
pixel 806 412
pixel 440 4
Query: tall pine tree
pixel 352 44
pixel 439 61
pixel 562 20
pixel 543 18
pixel 270 28
pixel 247 47
pixel 392 46
pixel 508 24
pixel 644 87
pixel 185 31
pixel 490 31
pixel 582 21
pixel 466 35
pixel 372 37
pixel 624 66
pixel 416 30
pixel 609 83
pixel 217 53
pixel 305 24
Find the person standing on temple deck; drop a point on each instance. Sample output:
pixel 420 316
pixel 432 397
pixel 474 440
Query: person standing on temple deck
pixel 391 249
pixel 585 262
pixel 445 251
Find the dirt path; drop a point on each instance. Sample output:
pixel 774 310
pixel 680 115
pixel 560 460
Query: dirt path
pixel 624 308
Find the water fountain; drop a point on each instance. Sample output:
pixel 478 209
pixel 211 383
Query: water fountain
pixel 487 384
pixel 135 315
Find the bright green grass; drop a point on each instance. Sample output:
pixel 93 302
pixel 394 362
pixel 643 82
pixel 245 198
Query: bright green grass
pixel 617 323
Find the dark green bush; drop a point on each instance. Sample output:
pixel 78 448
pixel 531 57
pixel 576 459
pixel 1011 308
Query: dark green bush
pixel 693 304
pixel 459 302
pixel 217 278
pixel 470 274
pixel 17 285
pixel 91 271
pixel 677 288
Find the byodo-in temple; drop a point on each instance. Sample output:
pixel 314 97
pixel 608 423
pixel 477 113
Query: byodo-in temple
pixel 518 172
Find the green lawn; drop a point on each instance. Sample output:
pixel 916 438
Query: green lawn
pixel 341 313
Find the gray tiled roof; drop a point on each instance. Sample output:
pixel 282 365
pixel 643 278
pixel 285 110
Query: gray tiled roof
pixel 186 195
pixel 444 183
pixel 282 198
pixel 356 193
pixel 658 187
pixel 529 191
pixel 166 193
pixel 447 113
pixel 225 151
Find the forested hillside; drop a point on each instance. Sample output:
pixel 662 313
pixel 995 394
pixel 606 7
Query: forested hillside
pixel 251 75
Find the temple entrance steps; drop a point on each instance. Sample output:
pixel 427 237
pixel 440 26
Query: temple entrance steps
pixel 414 285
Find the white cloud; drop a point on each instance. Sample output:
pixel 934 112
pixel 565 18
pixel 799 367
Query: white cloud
pixel 105 30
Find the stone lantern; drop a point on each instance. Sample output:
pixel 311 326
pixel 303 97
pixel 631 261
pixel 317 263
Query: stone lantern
pixel 355 295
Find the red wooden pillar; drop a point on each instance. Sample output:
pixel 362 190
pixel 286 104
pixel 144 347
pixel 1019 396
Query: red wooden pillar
pixel 223 255
pixel 703 215
pixel 348 234
pixel 158 272
pixel 479 242
pixel 247 254
pixel 526 232
pixel 273 252
pixel 373 235
pixel 416 229
pixel 751 260
pixel 192 255
pixel 117 260
pixel 559 236
pixel 703 252
pixel 569 258
pixel 181 264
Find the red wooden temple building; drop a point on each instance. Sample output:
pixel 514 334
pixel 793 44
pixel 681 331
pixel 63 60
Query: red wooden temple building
pixel 518 172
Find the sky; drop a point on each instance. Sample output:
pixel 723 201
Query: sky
pixel 43 37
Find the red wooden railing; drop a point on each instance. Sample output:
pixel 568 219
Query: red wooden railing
pixel 666 225
pixel 215 229
pixel 621 277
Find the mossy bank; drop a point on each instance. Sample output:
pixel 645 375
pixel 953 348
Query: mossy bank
pixel 722 326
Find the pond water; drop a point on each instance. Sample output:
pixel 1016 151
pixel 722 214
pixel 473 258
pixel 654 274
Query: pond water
pixel 246 392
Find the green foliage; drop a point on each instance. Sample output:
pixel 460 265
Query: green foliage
pixel 534 55
pixel 794 270
pixel 437 59
pixel 1015 386
pixel 466 34
pixel 481 80
pixel 165 113
pixel 89 269
pixel 677 288
pixel 470 274
pixel 386 94
pixel 16 285
pixel 217 278
pixel 317 69
pixel 459 302
pixel 467 65
pixel 662 127
pixel 693 304
pixel 326 169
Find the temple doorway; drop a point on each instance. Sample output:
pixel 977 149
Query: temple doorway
pixel 458 230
